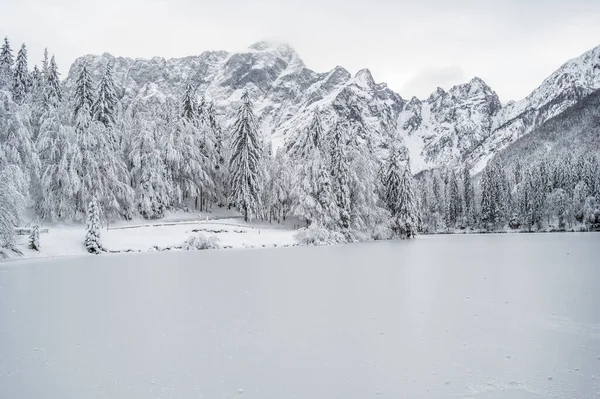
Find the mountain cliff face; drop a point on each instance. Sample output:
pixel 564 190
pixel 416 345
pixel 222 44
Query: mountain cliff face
pixel 465 123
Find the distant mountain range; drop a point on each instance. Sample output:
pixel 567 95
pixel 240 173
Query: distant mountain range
pixel 467 123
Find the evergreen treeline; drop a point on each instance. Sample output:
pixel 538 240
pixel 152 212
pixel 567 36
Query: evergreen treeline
pixel 558 193
pixel 78 156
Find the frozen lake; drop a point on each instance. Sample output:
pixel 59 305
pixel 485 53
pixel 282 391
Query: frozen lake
pixel 480 316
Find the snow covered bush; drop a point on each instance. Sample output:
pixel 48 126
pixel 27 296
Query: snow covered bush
pixel 318 235
pixel 92 236
pixel 34 238
pixel 200 241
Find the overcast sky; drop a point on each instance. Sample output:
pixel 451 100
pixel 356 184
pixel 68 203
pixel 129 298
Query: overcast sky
pixel 414 46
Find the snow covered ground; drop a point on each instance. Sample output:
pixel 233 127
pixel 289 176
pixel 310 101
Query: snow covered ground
pixel 502 316
pixel 144 235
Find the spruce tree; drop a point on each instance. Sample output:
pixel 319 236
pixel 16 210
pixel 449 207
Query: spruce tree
pixel 245 163
pixel 454 201
pixel 21 76
pixel 340 176
pixel 6 65
pixel 52 94
pixel 408 212
pixel 189 106
pixel 469 196
pixel 392 181
pixel 34 238
pixel 104 107
pixel 83 99
pixel 92 234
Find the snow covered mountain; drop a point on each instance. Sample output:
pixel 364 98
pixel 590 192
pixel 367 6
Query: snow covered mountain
pixel 465 123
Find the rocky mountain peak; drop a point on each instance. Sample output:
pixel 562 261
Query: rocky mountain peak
pixel 364 78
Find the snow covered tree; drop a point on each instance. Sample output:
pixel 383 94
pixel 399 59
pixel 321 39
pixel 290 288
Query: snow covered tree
pixel 56 146
pixel 83 99
pixel 20 83
pixel 6 65
pixel 101 173
pixel 454 201
pixel 340 175
pixel 245 178
pixel 281 187
pixel 104 107
pixel 52 94
pixel 407 213
pixel 392 181
pixel 190 111
pixel 16 146
pixel 469 197
pixel 313 137
pixel 92 231
pixel 149 174
pixel 12 203
pixel 34 238
pixel 558 202
pixel 221 155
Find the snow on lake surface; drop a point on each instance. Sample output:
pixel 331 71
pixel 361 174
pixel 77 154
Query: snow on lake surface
pixel 476 316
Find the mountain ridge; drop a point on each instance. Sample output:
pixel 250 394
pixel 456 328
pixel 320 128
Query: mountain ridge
pixel 466 123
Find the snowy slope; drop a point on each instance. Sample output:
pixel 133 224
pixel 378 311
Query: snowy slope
pixel 465 123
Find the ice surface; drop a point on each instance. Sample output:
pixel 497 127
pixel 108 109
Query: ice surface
pixel 476 316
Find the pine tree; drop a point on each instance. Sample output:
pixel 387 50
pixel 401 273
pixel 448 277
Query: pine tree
pixel 21 76
pixel 189 106
pixel 92 235
pixel 102 174
pixel 6 65
pixel 44 71
pixel 312 138
pixel 221 146
pixel 34 238
pixel 245 168
pixel 104 107
pixel 83 99
pixel 52 94
pixel 469 197
pixel 12 203
pixel 392 181
pixel 340 176
pixel 408 213
pixel 149 174
pixel 454 201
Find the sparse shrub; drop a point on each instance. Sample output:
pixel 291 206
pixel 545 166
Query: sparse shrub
pixel 200 242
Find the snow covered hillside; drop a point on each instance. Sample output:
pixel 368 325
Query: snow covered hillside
pixel 464 123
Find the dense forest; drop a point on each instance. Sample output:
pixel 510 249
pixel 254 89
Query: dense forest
pixel 77 154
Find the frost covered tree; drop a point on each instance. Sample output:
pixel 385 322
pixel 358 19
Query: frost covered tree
pixel 16 146
pixel 189 106
pixel 56 146
pixel 392 181
pixel 245 162
pixel 469 196
pixel 101 173
pixel 104 107
pixel 306 141
pixel 6 65
pixel 34 238
pixel 20 84
pixel 53 93
pixel 149 173
pixel 454 201
pixel 340 176
pixel 220 170
pixel 92 232
pixel 12 203
pixel 407 219
pixel 365 209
